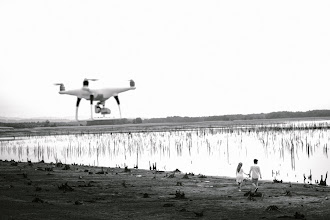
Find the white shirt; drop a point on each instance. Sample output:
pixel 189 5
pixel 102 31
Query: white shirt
pixel 255 169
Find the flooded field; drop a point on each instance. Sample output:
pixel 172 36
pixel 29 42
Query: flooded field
pixel 286 151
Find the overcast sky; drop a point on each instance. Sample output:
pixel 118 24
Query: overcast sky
pixel 188 58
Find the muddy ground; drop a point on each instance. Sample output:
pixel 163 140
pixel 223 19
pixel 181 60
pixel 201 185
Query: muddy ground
pixel 58 191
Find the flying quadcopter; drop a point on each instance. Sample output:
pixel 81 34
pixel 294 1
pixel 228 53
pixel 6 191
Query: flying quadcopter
pixel 100 95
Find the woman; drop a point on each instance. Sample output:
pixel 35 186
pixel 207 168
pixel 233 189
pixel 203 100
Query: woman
pixel 239 175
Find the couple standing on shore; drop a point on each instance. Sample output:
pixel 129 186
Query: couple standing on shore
pixel 254 170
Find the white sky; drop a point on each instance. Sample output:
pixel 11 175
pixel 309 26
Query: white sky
pixel 188 58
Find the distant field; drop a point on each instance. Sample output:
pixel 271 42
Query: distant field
pixel 146 127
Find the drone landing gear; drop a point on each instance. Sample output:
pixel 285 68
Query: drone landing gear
pixel 98 109
pixel 77 106
pixel 91 98
pixel 118 102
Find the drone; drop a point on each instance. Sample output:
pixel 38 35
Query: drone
pixel 100 95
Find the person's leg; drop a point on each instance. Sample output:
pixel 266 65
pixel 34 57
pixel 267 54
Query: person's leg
pixel 256 189
pixel 255 183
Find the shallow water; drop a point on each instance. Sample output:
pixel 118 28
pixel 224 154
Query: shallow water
pixel 285 151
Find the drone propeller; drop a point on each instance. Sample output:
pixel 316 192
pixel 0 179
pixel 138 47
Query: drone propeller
pixel 62 88
pixel 85 82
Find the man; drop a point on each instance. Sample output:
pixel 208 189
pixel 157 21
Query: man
pixel 255 171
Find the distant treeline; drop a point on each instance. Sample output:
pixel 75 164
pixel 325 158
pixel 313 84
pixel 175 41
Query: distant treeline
pixel 174 119
pixel 115 121
pixel 272 115
pixel 46 123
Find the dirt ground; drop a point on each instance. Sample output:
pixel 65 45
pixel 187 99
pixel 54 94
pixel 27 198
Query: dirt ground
pixel 58 191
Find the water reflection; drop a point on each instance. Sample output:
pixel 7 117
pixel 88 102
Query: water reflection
pixel 288 150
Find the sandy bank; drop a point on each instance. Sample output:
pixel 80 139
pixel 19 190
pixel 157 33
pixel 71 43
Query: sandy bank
pixel 50 191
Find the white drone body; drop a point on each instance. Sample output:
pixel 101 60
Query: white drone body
pixel 100 95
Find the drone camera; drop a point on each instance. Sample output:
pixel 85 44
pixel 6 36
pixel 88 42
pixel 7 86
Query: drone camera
pixel 103 111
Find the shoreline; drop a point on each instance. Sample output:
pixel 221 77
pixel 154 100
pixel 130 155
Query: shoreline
pixel 54 191
pixel 147 127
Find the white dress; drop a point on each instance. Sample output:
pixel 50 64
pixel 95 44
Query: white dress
pixel 239 176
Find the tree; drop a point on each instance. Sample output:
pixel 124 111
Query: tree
pixel 47 122
pixel 137 121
